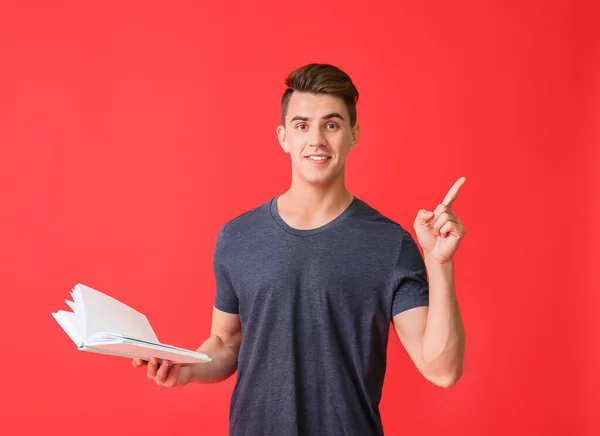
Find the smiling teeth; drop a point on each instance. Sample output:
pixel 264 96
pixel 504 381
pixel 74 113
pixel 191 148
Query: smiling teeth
pixel 318 157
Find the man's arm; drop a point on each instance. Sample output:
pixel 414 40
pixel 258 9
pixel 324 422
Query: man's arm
pixel 434 336
pixel 223 346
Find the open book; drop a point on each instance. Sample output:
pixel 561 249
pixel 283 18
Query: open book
pixel 101 324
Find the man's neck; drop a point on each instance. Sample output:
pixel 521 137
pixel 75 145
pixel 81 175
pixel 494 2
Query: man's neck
pixel 309 206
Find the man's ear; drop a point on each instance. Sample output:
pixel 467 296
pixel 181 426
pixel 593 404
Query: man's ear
pixel 281 135
pixel 355 136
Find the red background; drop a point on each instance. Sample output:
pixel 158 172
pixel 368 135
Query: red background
pixel 131 131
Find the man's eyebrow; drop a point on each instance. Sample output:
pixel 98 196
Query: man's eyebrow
pixel 333 115
pixel 324 117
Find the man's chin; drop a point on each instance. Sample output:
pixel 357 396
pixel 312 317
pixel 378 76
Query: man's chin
pixel 319 181
pixel 317 178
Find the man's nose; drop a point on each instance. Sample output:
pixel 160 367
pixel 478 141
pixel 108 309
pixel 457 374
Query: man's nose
pixel 317 138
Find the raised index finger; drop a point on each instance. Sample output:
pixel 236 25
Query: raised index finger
pixel 453 192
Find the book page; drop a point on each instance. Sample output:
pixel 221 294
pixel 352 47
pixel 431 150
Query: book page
pixel 76 319
pixel 103 313
pixel 68 322
pixel 147 351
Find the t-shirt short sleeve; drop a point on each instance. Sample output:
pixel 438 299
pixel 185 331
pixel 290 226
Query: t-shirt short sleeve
pixel 411 288
pixel 226 299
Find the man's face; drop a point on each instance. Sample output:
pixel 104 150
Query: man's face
pixel 318 136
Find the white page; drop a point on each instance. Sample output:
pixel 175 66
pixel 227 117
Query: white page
pixel 78 309
pixel 68 323
pixel 100 339
pixel 71 304
pixel 106 314
pixel 76 319
pixel 143 351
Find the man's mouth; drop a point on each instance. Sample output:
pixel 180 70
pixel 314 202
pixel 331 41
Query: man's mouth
pixel 318 158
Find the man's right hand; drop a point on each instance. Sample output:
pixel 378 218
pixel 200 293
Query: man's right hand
pixel 165 374
pixel 223 346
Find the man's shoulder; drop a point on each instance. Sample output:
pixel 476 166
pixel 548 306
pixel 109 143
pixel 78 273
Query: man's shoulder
pixel 376 222
pixel 384 234
pixel 248 220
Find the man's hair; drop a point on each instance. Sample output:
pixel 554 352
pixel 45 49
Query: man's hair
pixel 321 79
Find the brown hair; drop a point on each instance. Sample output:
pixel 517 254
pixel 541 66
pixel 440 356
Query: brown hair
pixel 321 79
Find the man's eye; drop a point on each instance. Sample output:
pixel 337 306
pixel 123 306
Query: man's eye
pixel 332 125
pixel 301 126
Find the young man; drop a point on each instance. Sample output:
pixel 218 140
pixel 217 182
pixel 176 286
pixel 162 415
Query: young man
pixel 314 277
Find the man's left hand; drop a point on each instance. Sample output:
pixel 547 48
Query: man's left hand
pixel 439 232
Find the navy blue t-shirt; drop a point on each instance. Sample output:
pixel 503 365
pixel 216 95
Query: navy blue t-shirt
pixel 315 308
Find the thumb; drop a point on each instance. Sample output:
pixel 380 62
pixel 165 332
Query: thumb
pixel 423 218
pixel 138 362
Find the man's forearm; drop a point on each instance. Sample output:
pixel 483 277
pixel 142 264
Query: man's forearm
pixel 444 337
pixel 223 365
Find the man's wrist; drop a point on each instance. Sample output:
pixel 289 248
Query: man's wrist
pixel 440 274
pixel 433 263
